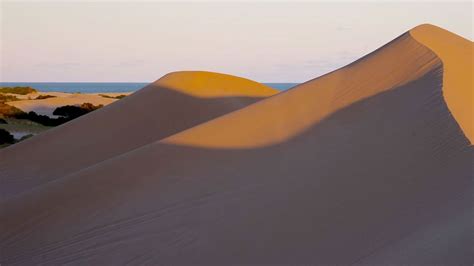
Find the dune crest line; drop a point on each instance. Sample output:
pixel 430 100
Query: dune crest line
pixel 366 165
pixel 457 55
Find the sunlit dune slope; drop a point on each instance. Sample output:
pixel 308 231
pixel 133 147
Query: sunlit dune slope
pixel 457 55
pixel 203 84
pixel 363 166
pixel 339 89
pixel 173 103
pixel 291 113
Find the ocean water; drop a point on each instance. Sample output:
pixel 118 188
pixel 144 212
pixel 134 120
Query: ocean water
pixel 281 86
pixel 96 87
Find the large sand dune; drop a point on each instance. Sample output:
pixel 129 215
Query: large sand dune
pixel 366 165
pixel 173 103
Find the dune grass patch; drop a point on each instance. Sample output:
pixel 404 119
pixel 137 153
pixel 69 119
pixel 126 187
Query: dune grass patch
pixel 42 97
pixel 18 90
pixel 7 98
pixel 113 97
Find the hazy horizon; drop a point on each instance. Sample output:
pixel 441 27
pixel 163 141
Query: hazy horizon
pixel 266 42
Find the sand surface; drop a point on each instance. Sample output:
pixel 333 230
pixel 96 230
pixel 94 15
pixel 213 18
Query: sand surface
pixel 366 165
pixel 156 111
pixel 457 56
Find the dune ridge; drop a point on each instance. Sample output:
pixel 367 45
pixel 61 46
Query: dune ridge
pixel 173 103
pixel 399 62
pixel 360 166
pixel 457 56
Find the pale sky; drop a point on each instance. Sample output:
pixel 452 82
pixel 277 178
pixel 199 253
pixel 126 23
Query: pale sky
pixel 107 41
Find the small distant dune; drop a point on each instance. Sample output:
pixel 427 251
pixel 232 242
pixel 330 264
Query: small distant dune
pixel 370 164
pixel 173 103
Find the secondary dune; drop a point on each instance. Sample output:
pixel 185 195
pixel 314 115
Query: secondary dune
pixel 362 166
pixel 173 103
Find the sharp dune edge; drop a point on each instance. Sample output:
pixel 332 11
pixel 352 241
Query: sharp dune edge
pixel 367 165
pixel 173 103
pixel 457 56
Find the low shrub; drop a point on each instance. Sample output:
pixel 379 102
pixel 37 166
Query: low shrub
pixel 72 111
pixel 7 98
pixel 6 137
pixel 9 111
pixel 42 97
pixel 42 119
pixel 25 137
pixel 3 121
pixel 113 97
pixel 18 90
pixel 66 113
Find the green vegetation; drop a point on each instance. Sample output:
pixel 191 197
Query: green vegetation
pixel 7 98
pixel 66 113
pixel 42 119
pixel 71 111
pixel 15 125
pixel 23 125
pixel 13 119
pixel 42 97
pixel 25 137
pixel 113 97
pixel 6 137
pixel 9 111
pixel 18 90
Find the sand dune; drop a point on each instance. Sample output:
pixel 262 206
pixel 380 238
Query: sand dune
pixel 173 103
pixel 365 165
pixel 457 56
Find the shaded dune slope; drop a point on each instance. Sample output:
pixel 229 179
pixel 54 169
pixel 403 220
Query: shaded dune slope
pixel 361 165
pixel 173 103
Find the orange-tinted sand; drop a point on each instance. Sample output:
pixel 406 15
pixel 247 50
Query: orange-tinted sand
pixel 281 118
pixel 457 55
pixel 367 165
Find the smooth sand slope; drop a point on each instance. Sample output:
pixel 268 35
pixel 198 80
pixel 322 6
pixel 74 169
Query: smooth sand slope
pixel 175 102
pixel 365 166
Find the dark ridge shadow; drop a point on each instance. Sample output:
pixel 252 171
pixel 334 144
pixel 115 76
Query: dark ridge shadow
pixel 358 181
pixel 141 118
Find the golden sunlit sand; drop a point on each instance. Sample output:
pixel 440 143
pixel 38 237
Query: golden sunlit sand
pixel 369 164
pixel 173 103
pixel 457 56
